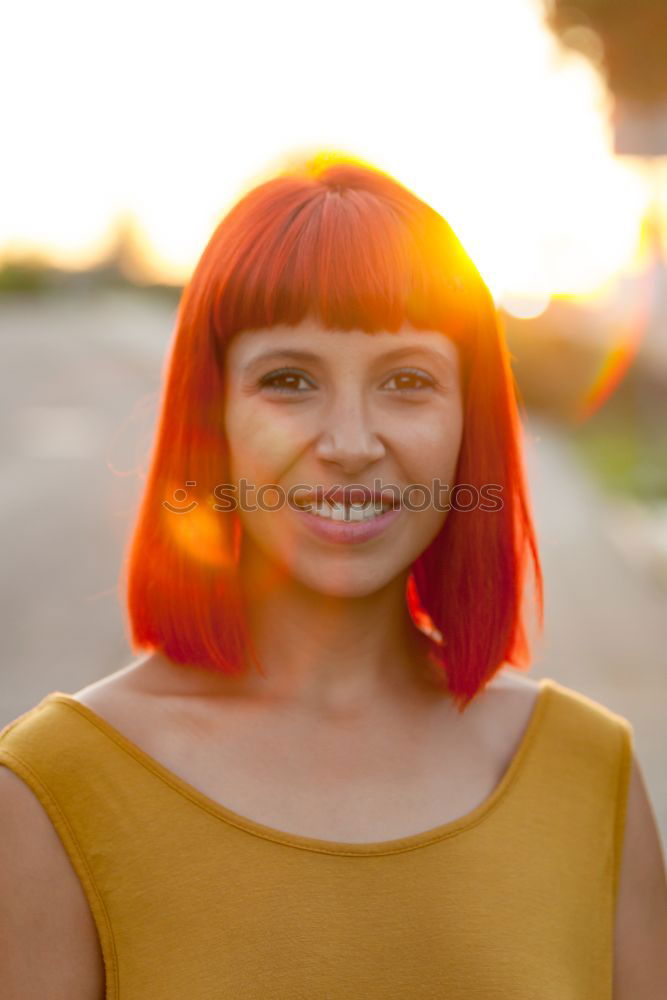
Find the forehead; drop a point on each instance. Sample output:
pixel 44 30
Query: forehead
pixel 311 338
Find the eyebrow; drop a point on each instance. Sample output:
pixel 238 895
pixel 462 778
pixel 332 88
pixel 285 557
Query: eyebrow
pixel 394 355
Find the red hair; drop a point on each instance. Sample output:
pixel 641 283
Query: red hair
pixel 344 243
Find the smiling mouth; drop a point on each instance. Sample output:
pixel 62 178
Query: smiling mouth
pixel 346 512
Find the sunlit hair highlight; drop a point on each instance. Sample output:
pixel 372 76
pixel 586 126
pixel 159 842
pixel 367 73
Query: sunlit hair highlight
pixel 342 242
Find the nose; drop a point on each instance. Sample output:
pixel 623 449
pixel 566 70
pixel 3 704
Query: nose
pixel 348 438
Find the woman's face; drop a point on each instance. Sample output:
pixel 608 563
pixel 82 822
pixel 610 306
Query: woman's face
pixel 308 407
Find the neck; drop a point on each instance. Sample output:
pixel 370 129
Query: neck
pixel 337 656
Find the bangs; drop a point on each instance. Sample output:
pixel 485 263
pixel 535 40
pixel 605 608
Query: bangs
pixel 342 255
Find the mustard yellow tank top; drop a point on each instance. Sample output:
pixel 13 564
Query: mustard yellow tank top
pixel 193 901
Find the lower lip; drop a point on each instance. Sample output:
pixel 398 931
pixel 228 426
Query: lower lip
pixel 348 531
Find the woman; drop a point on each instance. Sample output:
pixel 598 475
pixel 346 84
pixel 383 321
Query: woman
pixel 323 779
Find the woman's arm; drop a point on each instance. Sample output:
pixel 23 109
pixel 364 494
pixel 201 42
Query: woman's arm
pixel 640 949
pixel 49 948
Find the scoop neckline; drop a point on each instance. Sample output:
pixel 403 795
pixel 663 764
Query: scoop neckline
pixel 317 844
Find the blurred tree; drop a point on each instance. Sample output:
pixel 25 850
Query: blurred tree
pixel 627 39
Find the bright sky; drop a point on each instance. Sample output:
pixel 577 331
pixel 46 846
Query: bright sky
pixel 170 112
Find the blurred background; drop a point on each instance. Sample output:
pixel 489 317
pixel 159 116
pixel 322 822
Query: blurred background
pixel 538 129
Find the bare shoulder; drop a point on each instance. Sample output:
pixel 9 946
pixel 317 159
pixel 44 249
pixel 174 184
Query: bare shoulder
pixel 48 940
pixel 507 705
pixel 640 947
pixel 125 681
pixel 510 680
pixel 152 676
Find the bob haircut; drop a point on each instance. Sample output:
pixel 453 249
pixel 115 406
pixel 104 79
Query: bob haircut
pixel 342 242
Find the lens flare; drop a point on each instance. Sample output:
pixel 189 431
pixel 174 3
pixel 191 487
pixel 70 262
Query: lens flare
pixel 615 362
pixel 200 533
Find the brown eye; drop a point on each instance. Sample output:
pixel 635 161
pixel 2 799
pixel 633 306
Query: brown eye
pixel 286 380
pixel 409 380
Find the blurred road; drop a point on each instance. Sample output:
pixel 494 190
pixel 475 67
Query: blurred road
pixel 80 382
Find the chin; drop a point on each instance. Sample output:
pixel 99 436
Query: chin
pixel 345 580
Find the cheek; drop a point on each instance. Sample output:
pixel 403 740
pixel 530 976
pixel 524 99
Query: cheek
pixel 431 450
pixel 259 444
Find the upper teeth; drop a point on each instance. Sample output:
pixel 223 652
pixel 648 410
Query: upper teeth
pixel 344 512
